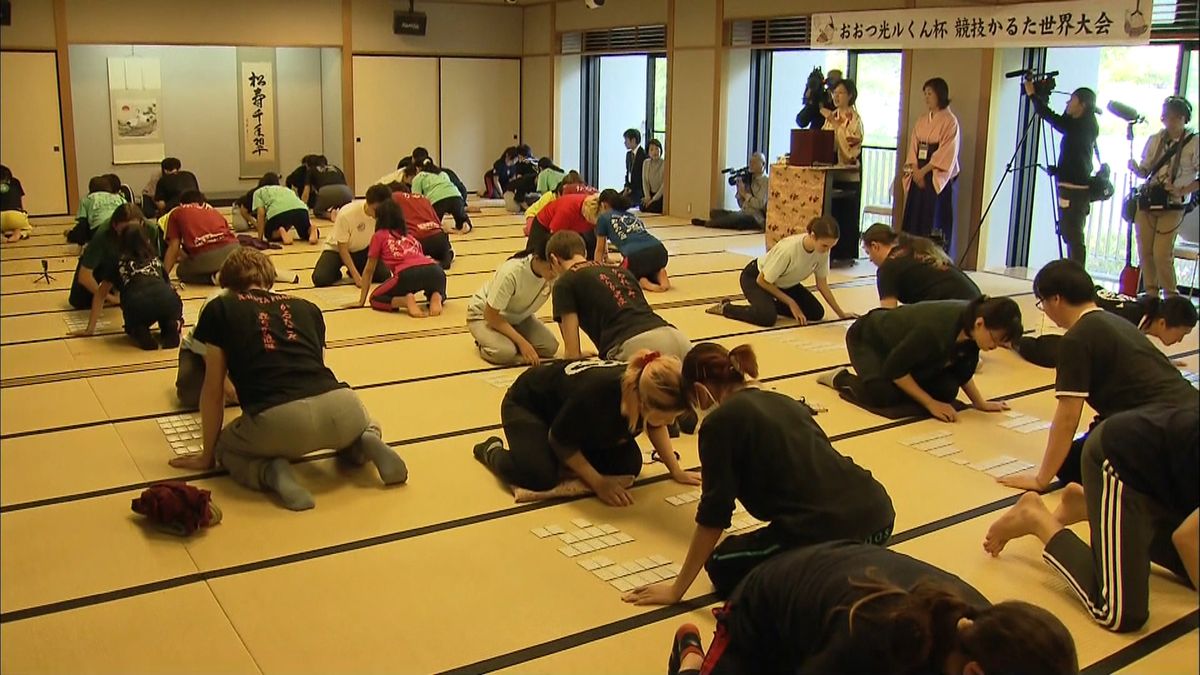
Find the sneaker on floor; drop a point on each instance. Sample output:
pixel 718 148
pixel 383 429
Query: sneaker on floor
pixel 718 309
pixel 169 340
pixel 699 222
pixel 826 378
pixel 482 451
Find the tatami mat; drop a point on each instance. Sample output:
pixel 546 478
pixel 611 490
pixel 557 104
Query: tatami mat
pixel 442 573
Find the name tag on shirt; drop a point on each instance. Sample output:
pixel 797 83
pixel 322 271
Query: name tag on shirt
pixel 1063 203
pixel 922 151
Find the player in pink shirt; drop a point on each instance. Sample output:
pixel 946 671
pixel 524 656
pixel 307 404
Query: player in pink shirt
pixel 412 270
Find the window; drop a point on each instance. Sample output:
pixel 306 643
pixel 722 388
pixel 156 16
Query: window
pixel 1138 76
pixel 789 73
pixel 629 92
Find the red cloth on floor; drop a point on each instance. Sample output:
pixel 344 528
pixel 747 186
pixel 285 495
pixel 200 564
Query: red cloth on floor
pixel 175 504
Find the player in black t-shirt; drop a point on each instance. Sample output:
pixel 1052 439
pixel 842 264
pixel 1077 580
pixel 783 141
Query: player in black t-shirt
pixel 1140 493
pixel 1103 360
pixel 607 303
pixel 919 356
pixel 1170 320
pixel 173 184
pixel 913 269
pixel 272 347
pixel 844 607
pixel 583 417
pixel 765 450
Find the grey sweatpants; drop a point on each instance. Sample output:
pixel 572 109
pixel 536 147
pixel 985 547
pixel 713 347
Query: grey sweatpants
pixel 335 419
pixel 199 269
pixel 496 348
pixel 666 340
pixel 1129 530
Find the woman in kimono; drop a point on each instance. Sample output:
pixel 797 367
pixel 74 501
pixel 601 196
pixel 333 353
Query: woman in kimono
pixel 931 168
pixel 847 127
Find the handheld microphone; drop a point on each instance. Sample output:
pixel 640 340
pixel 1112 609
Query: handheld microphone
pixel 1125 112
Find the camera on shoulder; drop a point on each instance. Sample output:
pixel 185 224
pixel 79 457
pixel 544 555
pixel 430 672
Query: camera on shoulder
pixel 738 175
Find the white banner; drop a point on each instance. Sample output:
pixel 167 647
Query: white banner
pixel 1093 22
pixel 257 111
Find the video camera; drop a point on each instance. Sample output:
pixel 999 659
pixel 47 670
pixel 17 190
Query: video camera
pixel 1043 83
pixel 736 175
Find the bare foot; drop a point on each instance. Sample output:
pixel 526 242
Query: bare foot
pixel 414 310
pixel 435 304
pixel 1073 507
pixel 285 237
pixel 1021 519
pixel 314 235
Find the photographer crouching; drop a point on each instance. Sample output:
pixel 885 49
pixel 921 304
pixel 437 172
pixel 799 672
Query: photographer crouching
pixel 752 187
pixel 1079 131
pixel 1170 163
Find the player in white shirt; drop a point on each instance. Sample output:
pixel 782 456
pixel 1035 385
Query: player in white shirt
pixel 502 315
pixel 346 246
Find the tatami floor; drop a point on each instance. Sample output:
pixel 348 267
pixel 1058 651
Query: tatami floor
pixel 442 574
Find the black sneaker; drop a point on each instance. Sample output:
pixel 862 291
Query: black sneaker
pixel 483 451
pixel 699 222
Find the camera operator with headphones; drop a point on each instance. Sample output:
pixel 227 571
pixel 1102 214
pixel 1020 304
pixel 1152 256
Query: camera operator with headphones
pixel 1079 130
pixel 1170 163
pixel 752 189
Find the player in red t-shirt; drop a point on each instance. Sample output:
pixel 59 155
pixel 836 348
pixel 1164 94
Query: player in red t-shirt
pixel 425 226
pixel 199 239
pixel 575 212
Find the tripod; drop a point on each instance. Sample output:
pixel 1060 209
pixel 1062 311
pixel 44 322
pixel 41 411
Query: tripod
pixel 1009 169
pixel 45 276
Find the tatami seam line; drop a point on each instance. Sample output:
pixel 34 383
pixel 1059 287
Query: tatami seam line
pixel 141 589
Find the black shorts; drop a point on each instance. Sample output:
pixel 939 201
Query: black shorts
pixel 647 262
pixel 297 218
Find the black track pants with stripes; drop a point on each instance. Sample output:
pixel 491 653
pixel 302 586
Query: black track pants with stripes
pixel 1129 530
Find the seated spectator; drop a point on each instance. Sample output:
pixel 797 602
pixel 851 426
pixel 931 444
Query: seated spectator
pixel 751 198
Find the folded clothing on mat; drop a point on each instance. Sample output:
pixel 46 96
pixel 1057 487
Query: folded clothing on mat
pixel 177 508
pixel 569 487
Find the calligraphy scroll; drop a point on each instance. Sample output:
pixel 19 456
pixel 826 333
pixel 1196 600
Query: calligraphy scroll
pixel 1092 22
pixel 257 138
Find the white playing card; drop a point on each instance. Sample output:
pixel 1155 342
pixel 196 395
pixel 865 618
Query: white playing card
pixel 599 544
pixel 554 529
pixel 581 522
pixel 611 540
pixel 622 585
pixel 961 461
pixel 1036 426
pixel 568 538
pixel 992 463
pixel 589 564
pixel 925 437
pixel 1013 414
pixel 674 500
pixel 633 566
pixel 579 534
pixel 660 560
pixel 1018 422
pixel 585 546
pixel 604 561
pixel 569 550
pixel 623 538
pixel 1009 469
pixel 646 563
pixel 934 444
pixel 945 451
pixel 540 532
pixel 608 529
pixel 594 532
pixel 605 573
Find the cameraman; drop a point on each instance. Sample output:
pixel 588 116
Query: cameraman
pixel 1079 130
pixel 751 197
pixel 1163 197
